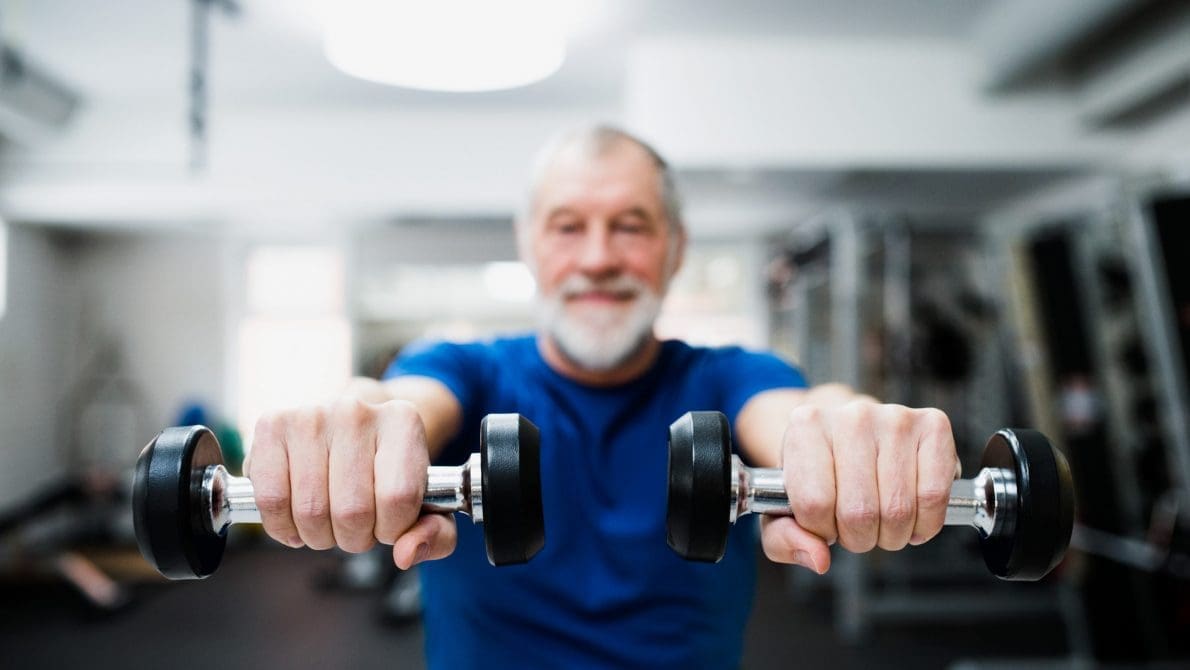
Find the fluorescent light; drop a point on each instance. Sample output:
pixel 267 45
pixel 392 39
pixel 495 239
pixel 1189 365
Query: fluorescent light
pixel 446 45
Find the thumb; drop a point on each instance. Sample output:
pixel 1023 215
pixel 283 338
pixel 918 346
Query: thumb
pixel 786 542
pixel 433 536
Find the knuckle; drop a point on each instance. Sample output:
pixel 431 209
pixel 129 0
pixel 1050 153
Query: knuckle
pixel 935 421
pixel 402 411
pixel 354 514
pixel 813 506
pixel 805 415
pixel 899 510
pixel 267 428
pixel 271 503
pixel 933 497
pixel 401 497
pixel 311 510
pixel 900 420
pixel 353 412
pixel 859 514
pixel 308 423
pixel 857 415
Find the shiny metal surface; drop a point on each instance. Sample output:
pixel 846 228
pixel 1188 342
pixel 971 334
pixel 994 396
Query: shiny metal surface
pixel 446 489
pixel 985 502
pixel 738 483
pixel 475 484
pixel 228 500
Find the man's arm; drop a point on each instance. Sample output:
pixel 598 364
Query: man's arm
pixel 857 472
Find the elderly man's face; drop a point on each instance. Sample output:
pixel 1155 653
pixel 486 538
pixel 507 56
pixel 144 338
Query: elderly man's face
pixel 601 248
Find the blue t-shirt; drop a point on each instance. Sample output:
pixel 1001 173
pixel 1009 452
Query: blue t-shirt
pixel 606 590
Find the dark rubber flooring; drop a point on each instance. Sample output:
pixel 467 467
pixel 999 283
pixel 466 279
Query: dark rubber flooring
pixel 262 610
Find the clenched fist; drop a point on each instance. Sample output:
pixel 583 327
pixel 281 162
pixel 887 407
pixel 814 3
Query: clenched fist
pixel 349 474
pixel 863 474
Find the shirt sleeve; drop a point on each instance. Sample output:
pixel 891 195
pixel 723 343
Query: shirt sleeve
pixel 458 366
pixel 744 374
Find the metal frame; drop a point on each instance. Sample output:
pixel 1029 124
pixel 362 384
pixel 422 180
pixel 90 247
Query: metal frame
pixel 1158 327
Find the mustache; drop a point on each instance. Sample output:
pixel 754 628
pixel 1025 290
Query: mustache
pixel 576 285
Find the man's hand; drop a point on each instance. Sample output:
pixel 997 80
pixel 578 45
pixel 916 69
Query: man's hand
pixel 863 474
pixel 348 474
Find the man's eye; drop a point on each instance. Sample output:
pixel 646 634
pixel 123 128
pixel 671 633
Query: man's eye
pixel 630 226
pixel 568 227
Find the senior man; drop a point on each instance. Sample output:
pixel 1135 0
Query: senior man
pixel 603 234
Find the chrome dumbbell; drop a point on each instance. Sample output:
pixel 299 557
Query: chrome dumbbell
pixel 1021 502
pixel 184 499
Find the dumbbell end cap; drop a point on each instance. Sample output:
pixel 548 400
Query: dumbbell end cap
pixel 1044 510
pixel 698 504
pixel 168 524
pixel 513 520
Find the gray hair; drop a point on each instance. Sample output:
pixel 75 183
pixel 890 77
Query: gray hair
pixel 592 142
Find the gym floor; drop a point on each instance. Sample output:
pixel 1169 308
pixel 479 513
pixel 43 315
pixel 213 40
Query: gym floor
pixel 264 610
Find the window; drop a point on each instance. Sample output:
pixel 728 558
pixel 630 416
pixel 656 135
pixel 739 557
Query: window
pixel 294 340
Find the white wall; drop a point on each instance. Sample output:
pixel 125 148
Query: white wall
pixel 163 300
pixel 34 337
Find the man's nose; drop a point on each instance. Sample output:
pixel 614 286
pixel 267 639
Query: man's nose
pixel 599 257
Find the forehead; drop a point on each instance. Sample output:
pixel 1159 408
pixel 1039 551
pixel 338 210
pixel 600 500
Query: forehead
pixel 622 175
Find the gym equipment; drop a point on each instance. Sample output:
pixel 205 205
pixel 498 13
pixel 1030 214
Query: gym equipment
pixel 184 499
pixel 1021 502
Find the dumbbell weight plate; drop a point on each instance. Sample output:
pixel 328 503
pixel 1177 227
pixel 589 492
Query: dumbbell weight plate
pixel 698 505
pixel 165 501
pixel 1044 516
pixel 514 525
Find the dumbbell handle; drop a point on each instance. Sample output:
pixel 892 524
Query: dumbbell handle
pixel 227 499
pixel 987 502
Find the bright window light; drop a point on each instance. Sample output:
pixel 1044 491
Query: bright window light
pixel 446 45
pixel 509 281
pixel 294 344
pixel 297 280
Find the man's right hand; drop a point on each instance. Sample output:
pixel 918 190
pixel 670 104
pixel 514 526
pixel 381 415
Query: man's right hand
pixel 349 474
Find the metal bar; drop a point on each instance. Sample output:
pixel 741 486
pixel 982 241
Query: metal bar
pixel 1148 268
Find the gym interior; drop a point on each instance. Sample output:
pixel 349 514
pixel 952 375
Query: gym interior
pixel 210 209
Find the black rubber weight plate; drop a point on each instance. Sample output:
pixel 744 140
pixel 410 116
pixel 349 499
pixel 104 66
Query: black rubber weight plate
pixel 698 504
pixel 169 527
pixel 1045 506
pixel 513 523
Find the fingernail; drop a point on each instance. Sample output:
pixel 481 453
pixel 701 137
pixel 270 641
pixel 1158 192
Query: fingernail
pixel 422 553
pixel 295 542
pixel 916 539
pixel 803 559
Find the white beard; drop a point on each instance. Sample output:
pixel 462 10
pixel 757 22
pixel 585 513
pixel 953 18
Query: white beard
pixel 599 338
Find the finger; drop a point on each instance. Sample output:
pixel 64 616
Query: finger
pixel 857 500
pixel 937 467
pixel 434 536
pixel 896 474
pixel 809 472
pixel 353 498
pixel 308 468
pixel 785 541
pixel 399 470
pixel 270 481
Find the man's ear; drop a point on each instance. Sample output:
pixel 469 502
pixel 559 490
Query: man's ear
pixel 677 253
